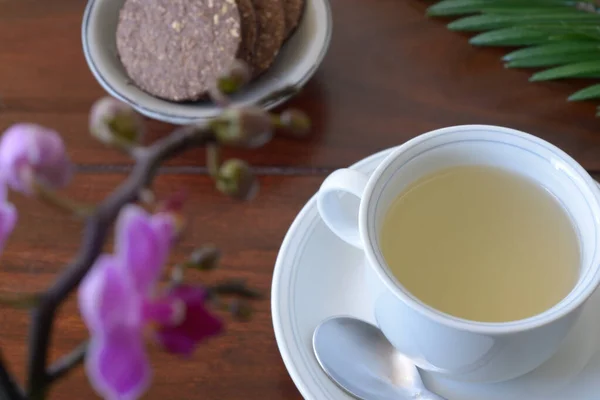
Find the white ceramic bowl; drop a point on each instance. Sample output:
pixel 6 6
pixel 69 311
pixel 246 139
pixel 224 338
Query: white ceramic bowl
pixel 296 62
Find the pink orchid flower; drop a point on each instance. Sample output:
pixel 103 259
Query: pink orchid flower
pixel 119 300
pixel 29 151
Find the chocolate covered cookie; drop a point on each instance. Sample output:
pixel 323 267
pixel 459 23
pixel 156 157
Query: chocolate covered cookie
pixel 270 19
pixel 175 49
pixel 293 13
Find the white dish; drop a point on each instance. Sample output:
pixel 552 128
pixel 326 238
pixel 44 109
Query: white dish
pixel 296 62
pixel 317 275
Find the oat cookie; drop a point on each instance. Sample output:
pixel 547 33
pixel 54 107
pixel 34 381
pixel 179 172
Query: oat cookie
pixel 175 49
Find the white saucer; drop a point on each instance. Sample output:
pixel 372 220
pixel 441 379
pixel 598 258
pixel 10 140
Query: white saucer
pixel 317 276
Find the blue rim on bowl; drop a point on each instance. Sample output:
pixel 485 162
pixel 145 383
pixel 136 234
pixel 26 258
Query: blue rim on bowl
pixel 311 40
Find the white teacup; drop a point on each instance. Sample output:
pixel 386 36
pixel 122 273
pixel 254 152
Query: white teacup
pixel 435 341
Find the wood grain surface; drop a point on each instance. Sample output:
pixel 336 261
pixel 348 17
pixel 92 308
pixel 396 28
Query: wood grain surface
pixel 390 74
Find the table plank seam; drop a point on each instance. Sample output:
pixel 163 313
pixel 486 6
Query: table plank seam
pixel 202 170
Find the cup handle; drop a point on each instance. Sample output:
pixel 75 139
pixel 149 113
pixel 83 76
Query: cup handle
pixel 343 222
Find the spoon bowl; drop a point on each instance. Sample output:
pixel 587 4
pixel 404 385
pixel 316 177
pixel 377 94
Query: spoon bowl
pixel 360 360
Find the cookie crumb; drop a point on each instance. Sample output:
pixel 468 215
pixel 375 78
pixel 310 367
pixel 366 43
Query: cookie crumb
pixel 176 26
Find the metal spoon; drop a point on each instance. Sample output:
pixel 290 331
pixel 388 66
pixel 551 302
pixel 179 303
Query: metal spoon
pixel 356 356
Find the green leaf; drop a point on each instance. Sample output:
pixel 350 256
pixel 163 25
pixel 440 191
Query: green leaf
pixel 590 92
pixel 528 9
pixel 535 35
pixel 583 31
pixel 586 69
pixel 493 21
pixel 571 37
pixel 590 31
pixel 514 36
pixel 462 7
pixel 553 59
pixel 552 49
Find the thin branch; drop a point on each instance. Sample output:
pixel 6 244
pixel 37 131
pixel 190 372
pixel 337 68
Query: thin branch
pixel 96 230
pixel 19 300
pixel 235 287
pixel 9 389
pixel 66 364
pixel 61 202
pixel 213 159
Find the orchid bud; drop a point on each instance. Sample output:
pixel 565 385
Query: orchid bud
pixel 204 259
pixel 31 153
pixel 245 127
pixel 238 76
pixel 296 121
pixel 115 123
pixel 236 179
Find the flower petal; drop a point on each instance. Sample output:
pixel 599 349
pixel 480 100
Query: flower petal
pixel 198 322
pixel 106 297
pixel 162 311
pixel 140 249
pixel 117 365
pixel 3 192
pixel 14 145
pixel 163 225
pixel 49 156
pixel 8 220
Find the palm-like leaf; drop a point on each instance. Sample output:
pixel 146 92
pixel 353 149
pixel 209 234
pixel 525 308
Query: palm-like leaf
pixel 590 92
pixel 586 69
pixel 560 35
pixel 461 7
pixel 484 22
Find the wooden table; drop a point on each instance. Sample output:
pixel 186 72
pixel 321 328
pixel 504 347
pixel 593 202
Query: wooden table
pixel 390 74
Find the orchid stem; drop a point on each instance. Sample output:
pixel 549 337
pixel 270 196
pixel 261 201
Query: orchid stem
pixel 61 202
pixel 213 157
pixel 9 389
pixel 20 300
pixel 235 287
pixel 67 363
